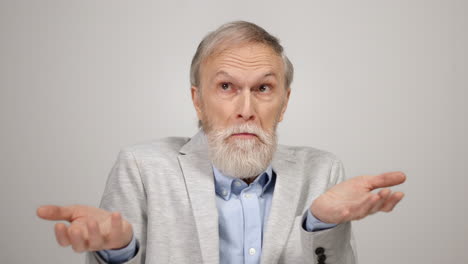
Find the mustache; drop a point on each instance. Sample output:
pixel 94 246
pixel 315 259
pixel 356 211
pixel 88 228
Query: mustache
pixel 249 128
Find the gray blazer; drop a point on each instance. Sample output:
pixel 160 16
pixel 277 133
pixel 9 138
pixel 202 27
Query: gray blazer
pixel 165 189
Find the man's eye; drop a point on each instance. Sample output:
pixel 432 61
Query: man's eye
pixel 264 88
pixel 225 86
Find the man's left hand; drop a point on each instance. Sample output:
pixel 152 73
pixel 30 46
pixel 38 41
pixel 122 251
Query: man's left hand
pixel 353 199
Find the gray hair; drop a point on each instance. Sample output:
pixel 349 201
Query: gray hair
pixel 237 32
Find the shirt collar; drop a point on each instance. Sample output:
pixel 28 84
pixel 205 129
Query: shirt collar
pixel 225 185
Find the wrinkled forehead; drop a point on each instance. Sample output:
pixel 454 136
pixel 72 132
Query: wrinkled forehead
pixel 247 57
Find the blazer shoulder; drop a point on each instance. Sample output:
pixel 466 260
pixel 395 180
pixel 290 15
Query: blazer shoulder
pixel 307 153
pixel 163 147
pixel 313 159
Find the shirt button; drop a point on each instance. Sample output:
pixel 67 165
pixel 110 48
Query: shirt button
pixel 224 192
pixel 246 195
pixel 237 183
pixel 252 251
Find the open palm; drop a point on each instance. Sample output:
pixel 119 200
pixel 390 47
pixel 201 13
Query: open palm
pixel 353 199
pixel 90 228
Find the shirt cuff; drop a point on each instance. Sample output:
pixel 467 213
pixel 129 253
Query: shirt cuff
pixel 312 224
pixel 117 256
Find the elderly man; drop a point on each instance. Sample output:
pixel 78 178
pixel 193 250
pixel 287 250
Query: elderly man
pixel 229 194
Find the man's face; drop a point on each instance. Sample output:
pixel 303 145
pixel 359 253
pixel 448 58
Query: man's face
pixel 240 102
pixel 241 85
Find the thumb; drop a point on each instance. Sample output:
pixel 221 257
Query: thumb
pixel 53 212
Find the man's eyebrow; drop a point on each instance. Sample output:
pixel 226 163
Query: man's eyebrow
pixel 222 73
pixel 272 74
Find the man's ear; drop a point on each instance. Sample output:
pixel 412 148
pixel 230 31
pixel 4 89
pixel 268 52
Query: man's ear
pixel 285 104
pixel 196 99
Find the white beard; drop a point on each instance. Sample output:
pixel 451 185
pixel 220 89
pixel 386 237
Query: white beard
pixel 242 158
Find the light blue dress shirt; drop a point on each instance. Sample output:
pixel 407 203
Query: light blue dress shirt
pixel 242 216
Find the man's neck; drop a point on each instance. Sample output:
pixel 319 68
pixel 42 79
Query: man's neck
pixel 250 180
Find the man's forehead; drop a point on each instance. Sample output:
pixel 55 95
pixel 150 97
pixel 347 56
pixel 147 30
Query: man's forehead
pixel 251 57
pixel 247 51
pixel 224 73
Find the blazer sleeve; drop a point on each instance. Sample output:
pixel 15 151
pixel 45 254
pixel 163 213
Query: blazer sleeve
pixel 125 193
pixel 335 245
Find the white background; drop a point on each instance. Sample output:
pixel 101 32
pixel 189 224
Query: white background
pixel 382 84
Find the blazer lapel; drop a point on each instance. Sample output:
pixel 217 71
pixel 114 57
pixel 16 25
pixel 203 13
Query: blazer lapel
pixel 282 211
pixel 198 174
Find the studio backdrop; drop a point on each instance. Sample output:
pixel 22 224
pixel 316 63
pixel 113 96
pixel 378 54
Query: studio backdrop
pixel 381 84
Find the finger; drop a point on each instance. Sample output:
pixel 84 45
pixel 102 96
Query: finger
pixel 383 194
pixel 95 239
pixel 116 229
pixel 53 212
pixel 364 207
pixel 61 234
pixel 77 241
pixel 386 180
pixel 392 201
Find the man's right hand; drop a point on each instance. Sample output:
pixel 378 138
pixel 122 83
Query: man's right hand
pixel 90 229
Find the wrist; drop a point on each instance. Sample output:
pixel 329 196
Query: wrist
pixel 322 213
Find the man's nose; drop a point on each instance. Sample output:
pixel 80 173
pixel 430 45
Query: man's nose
pixel 246 106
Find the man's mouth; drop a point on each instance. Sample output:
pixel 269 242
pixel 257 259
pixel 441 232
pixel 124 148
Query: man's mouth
pixel 244 135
